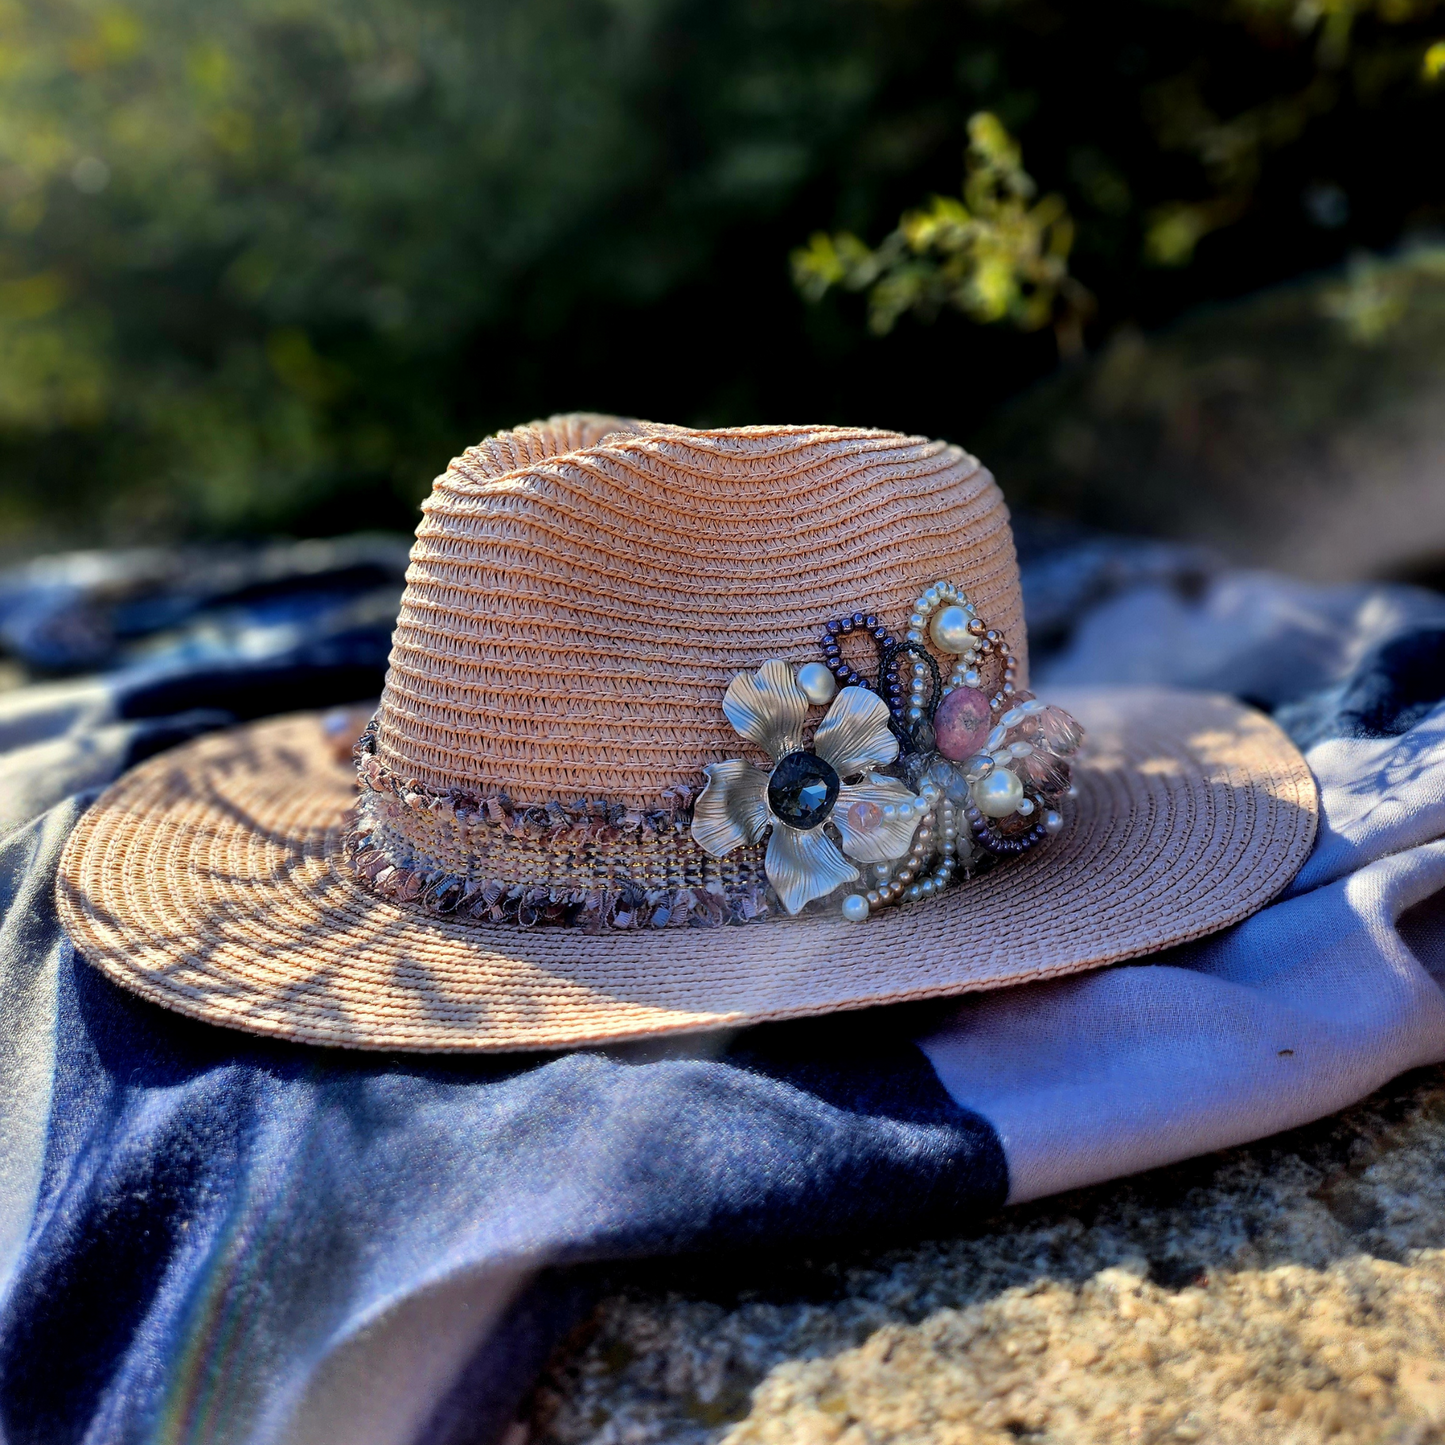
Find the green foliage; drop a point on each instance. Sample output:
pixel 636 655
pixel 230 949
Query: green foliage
pixel 995 258
pixel 995 255
pixel 268 263
pixel 1233 150
pixel 224 222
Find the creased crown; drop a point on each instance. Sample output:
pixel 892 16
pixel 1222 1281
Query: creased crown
pixel 583 589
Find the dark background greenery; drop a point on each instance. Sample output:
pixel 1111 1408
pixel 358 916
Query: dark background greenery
pixel 266 264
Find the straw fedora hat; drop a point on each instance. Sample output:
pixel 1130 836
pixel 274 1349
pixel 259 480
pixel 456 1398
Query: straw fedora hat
pixel 684 730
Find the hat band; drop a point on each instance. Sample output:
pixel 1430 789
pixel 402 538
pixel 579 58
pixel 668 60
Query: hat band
pixel 590 864
pixel 907 783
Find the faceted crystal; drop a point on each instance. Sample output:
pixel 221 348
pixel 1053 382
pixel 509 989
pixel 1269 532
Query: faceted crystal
pixel 961 723
pixel 1061 732
pixel 1044 771
pixel 802 790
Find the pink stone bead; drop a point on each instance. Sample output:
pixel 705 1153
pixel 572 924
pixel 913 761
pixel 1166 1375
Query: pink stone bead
pixel 961 723
pixel 864 817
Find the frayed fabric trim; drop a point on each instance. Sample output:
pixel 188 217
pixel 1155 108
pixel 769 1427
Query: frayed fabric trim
pixel 493 900
pixel 391 869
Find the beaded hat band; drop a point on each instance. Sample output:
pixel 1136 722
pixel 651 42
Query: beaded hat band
pixel 669 713
pixel 908 784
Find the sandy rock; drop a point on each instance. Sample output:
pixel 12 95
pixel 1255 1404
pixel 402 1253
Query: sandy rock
pixel 1287 1293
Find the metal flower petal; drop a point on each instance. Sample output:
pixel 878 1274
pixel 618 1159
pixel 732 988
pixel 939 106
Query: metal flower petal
pixel 885 838
pixel 768 707
pixel 732 809
pixel 855 734
pixel 804 866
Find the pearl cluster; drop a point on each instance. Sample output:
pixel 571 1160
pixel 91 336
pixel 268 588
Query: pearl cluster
pixel 1020 768
pixel 929 864
pixel 948 616
pixel 995 788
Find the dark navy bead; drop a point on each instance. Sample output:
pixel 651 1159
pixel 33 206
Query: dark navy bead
pixel 835 627
pixel 802 790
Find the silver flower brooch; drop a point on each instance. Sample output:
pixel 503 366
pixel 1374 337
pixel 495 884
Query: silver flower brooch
pixel 911 780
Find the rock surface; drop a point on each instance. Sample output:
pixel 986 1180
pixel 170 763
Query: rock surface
pixel 1291 1291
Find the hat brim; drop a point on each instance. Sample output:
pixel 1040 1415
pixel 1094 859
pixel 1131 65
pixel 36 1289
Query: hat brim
pixel 211 880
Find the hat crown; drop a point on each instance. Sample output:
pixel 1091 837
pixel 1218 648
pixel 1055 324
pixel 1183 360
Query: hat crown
pixel 583 589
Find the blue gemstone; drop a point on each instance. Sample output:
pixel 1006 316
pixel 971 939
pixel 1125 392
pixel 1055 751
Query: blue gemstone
pixel 802 790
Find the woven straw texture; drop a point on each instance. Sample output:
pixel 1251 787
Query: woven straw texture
pixel 582 591
pixel 211 880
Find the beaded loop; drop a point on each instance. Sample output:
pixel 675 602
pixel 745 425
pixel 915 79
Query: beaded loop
pixel 833 659
pixel 910 717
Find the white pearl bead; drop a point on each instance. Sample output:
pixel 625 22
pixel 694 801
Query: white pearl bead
pixel 855 908
pixel 916 620
pixel 949 629
pixel 883 871
pixel 818 684
pixel 913 634
pixel 914 893
pixel 890 811
pixel 1053 821
pixel 926 887
pixel 999 794
pixel 971 678
pixel 1026 807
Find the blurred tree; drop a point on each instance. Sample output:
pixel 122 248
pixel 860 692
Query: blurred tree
pixel 995 255
pixel 267 263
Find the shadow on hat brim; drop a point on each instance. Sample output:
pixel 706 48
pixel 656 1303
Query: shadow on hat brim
pixel 211 880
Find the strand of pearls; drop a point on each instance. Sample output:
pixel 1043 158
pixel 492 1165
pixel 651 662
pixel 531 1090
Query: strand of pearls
pixel 962 634
pixel 965 670
pixel 937 834
pixel 941 594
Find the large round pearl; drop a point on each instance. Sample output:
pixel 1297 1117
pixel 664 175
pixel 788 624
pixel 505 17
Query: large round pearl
pixel 949 629
pixel 818 684
pixel 999 794
pixel 855 908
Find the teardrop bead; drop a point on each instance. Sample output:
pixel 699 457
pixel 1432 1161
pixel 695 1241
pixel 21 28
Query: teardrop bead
pixel 1060 732
pixel 1044 772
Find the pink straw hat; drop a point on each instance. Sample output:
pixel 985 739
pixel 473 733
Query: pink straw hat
pixel 684 730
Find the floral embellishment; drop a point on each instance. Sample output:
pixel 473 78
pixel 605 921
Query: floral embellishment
pixel 807 796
